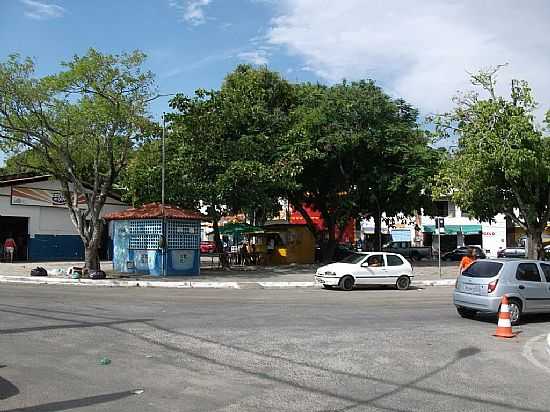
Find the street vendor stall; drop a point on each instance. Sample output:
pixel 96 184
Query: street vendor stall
pixel 156 240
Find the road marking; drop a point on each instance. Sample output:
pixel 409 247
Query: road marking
pixel 528 352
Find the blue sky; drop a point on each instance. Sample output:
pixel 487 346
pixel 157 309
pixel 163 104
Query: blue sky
pixel 421 51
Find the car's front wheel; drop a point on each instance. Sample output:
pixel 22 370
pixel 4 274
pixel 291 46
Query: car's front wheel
pixel 346 283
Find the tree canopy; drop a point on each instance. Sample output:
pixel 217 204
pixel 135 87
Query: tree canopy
pixel 502 164
pixel 78 125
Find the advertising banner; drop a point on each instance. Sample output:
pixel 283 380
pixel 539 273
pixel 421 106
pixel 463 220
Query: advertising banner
pixel 26 196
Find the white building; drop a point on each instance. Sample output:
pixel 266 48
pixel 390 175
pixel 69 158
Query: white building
pixel 460 230
pixel 33 212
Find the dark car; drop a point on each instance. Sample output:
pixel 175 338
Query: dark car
pixel 512 252
pixel 460 252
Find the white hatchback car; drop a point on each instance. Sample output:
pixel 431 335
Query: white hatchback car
pixel 370 268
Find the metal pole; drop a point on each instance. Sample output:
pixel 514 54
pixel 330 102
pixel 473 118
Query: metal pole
pixel 163 158
pixel 164 246
pixel 439 247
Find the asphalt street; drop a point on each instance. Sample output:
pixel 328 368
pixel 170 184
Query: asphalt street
pixel 261 350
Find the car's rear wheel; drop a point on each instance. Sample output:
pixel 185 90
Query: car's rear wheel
pixel 466 313
pixel 403 282
pixel 515 311
pixel 327 286
pixel 346 283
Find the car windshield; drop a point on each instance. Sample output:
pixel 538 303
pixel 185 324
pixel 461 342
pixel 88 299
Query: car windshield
pixel 353 258
pixel 482 269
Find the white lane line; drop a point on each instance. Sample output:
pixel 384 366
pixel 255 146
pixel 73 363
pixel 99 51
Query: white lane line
pixel 528 352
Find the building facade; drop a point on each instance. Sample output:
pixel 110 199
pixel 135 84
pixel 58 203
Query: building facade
pixel 33 212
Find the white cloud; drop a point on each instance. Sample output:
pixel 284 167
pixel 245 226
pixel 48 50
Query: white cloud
pixel 259 57
pixel 421 51
pixel 192 11
pixel 42 11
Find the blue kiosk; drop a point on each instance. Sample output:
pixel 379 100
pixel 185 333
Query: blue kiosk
pixel 156 240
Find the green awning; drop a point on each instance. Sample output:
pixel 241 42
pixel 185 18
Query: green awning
pixel 454 229
pixel 238 228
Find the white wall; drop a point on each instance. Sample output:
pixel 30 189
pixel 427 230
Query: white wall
pixel 47 220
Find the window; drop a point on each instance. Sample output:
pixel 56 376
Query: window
pixel 546 270
pixel 375 260
pixel 442 208
pixel 528 272
pixel 480 269
pixel 394 260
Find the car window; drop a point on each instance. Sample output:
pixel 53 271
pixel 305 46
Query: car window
pixel 528 272
pixel 481 269
pixel 546 270
pixel 394 260
pixel 353 258
pixel 375 260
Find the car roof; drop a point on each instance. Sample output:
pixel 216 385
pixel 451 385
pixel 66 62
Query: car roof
pixel 507 260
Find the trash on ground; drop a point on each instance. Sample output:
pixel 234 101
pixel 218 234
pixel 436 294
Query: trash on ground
pixel 39 271
pixel 98 274
pixel 77 272
pixel 104 361
pixel 57 272
pixel 138 391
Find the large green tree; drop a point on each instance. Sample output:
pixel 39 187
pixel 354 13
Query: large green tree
pixel 502 163
pixel 220 147
pixel 78 125
pixel 354 151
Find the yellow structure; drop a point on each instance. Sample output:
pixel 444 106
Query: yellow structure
pixel 292 244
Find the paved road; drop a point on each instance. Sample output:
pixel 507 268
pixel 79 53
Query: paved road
pixel 260 350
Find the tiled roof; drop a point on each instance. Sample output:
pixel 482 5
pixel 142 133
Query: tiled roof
pixel 156 211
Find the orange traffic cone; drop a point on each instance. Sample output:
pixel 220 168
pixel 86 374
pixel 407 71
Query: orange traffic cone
pixel 504 327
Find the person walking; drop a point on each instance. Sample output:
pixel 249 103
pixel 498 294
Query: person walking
pixel 9 248
pixel 467 260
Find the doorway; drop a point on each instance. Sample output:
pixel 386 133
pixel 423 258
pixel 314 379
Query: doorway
pixel 18 229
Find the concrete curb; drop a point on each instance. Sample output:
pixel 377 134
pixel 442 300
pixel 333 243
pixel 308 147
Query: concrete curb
pixel 183 285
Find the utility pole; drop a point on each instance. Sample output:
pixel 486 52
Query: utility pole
pixel 164 240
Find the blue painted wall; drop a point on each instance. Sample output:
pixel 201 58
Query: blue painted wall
pixel 56 247
pixel 150 262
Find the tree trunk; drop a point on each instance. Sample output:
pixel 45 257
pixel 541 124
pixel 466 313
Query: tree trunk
pixel 378 231
pixel 330 248
pixel 219 245
pixel 535 248
pixel 217 237
pixel 91 257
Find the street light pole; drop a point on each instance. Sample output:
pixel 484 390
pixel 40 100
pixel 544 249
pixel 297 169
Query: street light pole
pixel 164 242
pixel 163 158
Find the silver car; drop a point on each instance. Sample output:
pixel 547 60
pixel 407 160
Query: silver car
pixel 526 283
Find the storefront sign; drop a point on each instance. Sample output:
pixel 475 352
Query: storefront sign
pixel 25 196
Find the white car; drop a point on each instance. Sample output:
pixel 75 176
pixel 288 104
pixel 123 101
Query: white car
pixel 371 268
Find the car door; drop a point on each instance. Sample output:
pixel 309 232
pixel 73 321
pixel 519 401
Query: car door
pixel 530 286
pixel 373 271
pixel 545 267
pixel 394 268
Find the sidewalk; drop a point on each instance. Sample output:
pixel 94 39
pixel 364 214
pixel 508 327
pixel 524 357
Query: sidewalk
pixel 238 277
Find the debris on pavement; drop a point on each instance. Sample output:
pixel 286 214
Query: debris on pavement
pixel 104 361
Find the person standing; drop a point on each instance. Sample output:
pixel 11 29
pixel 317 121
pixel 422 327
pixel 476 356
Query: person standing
pixel 9 248
pixel 467 260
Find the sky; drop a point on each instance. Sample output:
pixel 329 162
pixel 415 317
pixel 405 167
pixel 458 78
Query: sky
pixel 422 51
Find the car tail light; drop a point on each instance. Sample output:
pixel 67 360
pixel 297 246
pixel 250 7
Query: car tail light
pixel 492 286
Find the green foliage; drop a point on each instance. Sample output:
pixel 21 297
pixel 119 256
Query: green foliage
pixel 355 151
pixel 220 146
pixel 503 160
pixel 79 125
